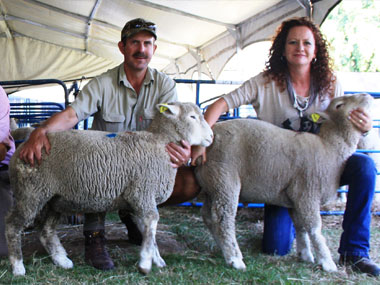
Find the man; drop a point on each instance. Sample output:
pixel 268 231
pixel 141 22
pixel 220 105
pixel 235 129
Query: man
pixel 7 148
pixel 122 99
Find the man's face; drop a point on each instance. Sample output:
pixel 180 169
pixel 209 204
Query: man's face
pixel 138 50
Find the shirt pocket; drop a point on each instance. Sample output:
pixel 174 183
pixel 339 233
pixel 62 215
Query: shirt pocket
pixel 145 119
pixel 113 122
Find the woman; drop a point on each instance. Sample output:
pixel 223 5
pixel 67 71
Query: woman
pixel 296 83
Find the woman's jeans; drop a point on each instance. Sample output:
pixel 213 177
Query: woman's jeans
pixel 360 176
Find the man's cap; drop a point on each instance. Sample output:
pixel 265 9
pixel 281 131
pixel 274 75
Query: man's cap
pixel 137 25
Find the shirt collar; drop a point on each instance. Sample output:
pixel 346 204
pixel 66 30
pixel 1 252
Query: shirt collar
pixel 123 77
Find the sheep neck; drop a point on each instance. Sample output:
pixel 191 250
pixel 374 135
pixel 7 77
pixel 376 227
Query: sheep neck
pixel 165 135
pixel 343 136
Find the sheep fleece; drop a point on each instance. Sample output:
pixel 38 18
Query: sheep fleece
pixel 102 167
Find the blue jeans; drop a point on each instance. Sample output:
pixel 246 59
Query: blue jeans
pixel 360 176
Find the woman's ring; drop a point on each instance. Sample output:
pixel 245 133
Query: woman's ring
pixel 360 121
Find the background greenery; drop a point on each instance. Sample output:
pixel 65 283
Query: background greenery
pixel 353 31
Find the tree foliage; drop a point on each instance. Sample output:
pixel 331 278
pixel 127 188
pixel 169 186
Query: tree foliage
pixel 353 31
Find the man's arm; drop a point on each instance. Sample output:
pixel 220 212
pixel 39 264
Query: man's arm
pixel 38 140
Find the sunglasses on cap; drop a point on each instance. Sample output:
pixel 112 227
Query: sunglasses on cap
pixel 137 25
pixel 141 24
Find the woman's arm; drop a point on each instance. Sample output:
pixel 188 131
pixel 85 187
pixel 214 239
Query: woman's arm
pixel 211 115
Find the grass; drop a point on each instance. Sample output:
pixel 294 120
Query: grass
pixel 191 255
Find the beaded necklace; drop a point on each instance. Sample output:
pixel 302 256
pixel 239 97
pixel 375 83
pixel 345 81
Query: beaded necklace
pixel 293 96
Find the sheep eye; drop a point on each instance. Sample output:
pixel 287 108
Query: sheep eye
pixel 338 106
pixel 192 116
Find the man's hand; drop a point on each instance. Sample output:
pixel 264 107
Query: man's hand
pixel 179 155
pixel 32 148
pixel 3 151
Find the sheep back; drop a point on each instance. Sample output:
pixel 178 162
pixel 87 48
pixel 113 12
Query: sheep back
pixel 262 156
pixel 86 171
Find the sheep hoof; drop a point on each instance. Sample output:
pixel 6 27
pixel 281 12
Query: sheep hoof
pixel 145 267
pixel 144 271
pixel 238 264
pixel 329 266
pixel 306 255
pixel 159 262
pixel 63 261
pixel 18 269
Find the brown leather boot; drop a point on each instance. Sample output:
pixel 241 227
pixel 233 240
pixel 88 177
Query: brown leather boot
pixel 95 250
pixel 134 234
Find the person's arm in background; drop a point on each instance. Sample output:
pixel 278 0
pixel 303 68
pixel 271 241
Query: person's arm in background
pixel 6 142
pixel 211 115
pixel 32 149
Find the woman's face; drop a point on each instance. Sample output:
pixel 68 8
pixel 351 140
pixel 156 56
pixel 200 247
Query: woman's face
pixel 300 46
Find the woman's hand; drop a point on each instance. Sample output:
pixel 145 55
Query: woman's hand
pixel 361 120
pixel 179 155
pixel 198 151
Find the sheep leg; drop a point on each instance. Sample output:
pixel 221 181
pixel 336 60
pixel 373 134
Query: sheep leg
pixel 16 221
pixel 149 250
pixel 14 226
pixel 51 242
pixel 302 240
pixel 223 210
pixel 312 222
pixel 206 213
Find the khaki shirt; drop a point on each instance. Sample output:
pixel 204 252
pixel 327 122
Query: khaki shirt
pixel 116 105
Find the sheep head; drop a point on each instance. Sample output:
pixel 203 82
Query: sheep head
pixel 182 121
pixel 340 107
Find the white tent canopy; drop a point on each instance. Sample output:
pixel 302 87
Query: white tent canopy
pixel 68 39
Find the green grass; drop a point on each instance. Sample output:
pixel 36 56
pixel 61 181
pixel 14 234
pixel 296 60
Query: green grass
pixel 191 255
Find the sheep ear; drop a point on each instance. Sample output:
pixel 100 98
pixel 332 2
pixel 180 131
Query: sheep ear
pixel 319 117
pixel 168 109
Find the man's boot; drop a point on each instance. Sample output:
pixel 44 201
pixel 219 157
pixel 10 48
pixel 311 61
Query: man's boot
pixel 95 250
pixel 134 234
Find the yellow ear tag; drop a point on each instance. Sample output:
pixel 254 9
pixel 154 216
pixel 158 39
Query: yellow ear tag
pixel 163 109
pixel 315 117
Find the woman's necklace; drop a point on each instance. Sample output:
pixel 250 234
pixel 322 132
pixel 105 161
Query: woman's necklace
pixel 299 107
pixel 293 96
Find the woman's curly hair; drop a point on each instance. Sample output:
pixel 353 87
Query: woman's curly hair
pixel 321 71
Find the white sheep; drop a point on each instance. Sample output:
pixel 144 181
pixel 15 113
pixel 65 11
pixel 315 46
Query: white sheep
pixel 94 171
pixel 253 160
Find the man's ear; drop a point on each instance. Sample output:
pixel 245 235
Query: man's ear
pixel 121 47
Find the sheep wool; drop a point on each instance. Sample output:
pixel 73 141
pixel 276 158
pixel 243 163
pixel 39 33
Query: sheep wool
pixel 94 171
pixel 253 160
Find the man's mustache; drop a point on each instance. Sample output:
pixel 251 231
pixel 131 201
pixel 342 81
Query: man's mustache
pixel 140 55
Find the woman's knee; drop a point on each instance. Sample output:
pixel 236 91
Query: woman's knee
pixel 361 162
